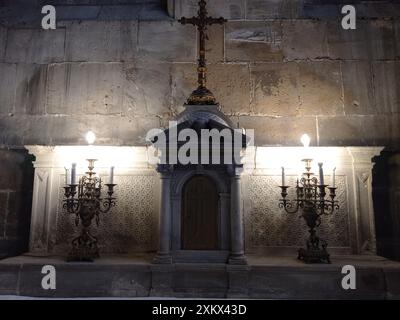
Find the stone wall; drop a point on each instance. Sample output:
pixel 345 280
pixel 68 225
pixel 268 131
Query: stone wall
pixel 16 179
pixel 123 67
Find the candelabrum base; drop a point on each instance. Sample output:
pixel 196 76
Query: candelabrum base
pixel 83 254
pixel 84 248
pixel 314 255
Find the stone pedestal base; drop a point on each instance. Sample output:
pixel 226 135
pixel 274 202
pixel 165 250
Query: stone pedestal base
pixel 237 259
pixel 162 259
pixel 161 280
pixel 238 277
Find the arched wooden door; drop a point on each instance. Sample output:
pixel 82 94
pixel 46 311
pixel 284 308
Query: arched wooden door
pixel 199 214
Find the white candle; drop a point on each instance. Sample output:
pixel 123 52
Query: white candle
pixel 333 177
pixel 73 174
pixel 67 177
pixel 321 174
pixel 111 179
pixel 283 176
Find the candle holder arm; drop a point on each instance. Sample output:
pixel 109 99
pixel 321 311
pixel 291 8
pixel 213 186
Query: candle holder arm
pixel 288 205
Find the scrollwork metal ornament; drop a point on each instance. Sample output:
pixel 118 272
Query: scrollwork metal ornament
pixel 85 201
pixel 311 201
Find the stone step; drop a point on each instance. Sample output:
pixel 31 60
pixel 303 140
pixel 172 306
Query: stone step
pixel 264 277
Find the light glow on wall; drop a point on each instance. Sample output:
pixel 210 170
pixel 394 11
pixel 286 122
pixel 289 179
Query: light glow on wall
pixel 90 137
pixel 291 158
pixel 305 140
pixel 119 157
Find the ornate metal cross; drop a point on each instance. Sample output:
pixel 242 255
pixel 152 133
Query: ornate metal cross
pixel 202 95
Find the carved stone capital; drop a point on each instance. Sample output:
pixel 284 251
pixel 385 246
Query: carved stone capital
pixel 165 170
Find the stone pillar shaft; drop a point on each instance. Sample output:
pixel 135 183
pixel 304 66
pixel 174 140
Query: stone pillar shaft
pixel 237 235
pixel 164 247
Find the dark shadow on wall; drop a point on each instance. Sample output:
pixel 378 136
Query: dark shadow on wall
pixel 16 186
pixel 386 218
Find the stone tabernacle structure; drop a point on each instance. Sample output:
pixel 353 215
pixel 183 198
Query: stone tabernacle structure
pixel 123 67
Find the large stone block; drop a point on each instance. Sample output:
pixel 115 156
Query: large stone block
pixel 133 131
pixel 35 45
pixel 87 280
pixel 71 130
pixel 230 84
pixel 82 12
pixel 85 88
pixel 11 173
pixel 7 87
pixel 109 88
pixel 381 39
pixel 20 14
pixel 153 10
pixel 229 9
pixel 3 42
pixel 395 131
pixel 277 131
pixel 321 11
pixel 378 10
pixel 167 41
pixel 3 212
pixel 296 39
pixel 30 92
pixel 129 11
pixel 397 37
pixel 270 9
pixel 348 44
pixel 101 41
pixel 253 41
pixel 372 39
pixel 9 275
pixel 14 130
pixel 19 206
pixel 358 88
pixel 146 89
pixel 275 89
pixel 386 77
pixel 320 88
pixel 215 46
pixel 354 130
pixel 393 283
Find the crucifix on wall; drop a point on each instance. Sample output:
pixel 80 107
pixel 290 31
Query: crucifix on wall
pixel 202 96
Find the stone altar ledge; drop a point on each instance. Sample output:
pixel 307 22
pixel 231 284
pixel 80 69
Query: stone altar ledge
pixel 265 277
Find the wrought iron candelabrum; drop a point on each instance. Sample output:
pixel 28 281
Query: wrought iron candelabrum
pixel 312 202
pixel 84 200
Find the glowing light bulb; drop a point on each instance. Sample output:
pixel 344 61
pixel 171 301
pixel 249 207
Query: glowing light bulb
pixel 90 137
pixel 305 140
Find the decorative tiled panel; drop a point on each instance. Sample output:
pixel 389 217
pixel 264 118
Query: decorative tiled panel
pixel 131 226
pixel 267 225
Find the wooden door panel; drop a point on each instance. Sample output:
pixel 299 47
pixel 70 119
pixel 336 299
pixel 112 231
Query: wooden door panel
pixel 200 214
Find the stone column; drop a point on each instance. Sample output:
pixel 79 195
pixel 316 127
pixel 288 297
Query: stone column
pixel 164 255
pixel 44 199
pixel 237 235
pixel 362 175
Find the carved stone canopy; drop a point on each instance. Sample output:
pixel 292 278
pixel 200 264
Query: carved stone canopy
pixel 197 118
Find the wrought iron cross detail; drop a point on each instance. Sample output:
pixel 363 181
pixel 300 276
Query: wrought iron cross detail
pixel 202 95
